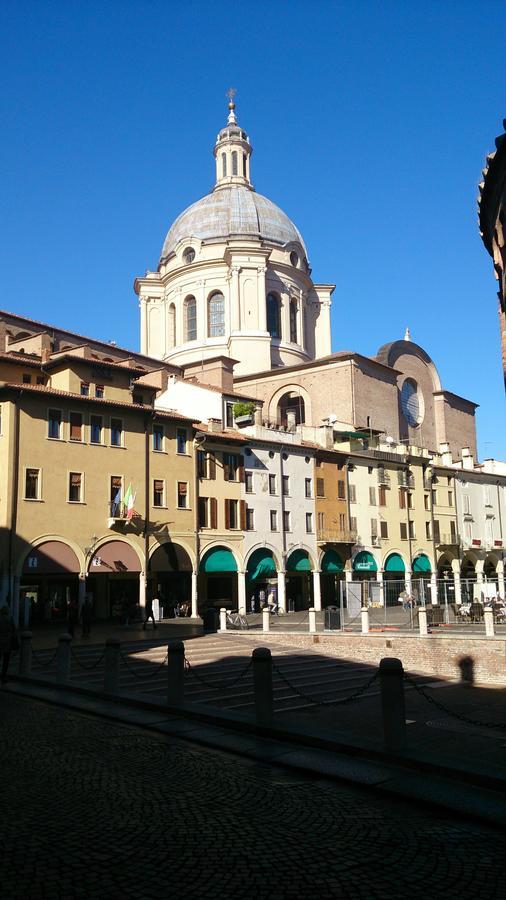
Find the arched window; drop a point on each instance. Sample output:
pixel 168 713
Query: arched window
pixel 291 409
pixel 190 317
pixel 172 325
pixel 244 165
pixel 224 165
pixel 234 163
pixel 293 321
pixel 216 315
pixel 273 316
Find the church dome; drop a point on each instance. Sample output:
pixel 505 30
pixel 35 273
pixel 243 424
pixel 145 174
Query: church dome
pixel 233 210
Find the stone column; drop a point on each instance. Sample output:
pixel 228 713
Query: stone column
pixel 500 581
pixel 433 589
pixel 282 592
pixel 81 590
pixel 458 588
pixel 241 592
pixel 407 581
pixel 317 597
pixel 261 299
pixel 142 590
pixel 379 576
pixel 195 604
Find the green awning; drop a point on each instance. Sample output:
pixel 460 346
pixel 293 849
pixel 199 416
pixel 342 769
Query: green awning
pixel 332 562
pixel 346 435
pixel 218 560
pixel 364 562
pixel 261 565
pixel 395 563
pixel 421 565
pixel 298 561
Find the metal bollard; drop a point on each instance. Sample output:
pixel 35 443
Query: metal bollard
pixel 262 685
pixel 488 615
pixel 25 653
pixel 266 620
pixel 175 673
pixel 112 661
pixel 422 621
pixel 392 703
pixel 223 619
pixel 63 658
pixel 364 614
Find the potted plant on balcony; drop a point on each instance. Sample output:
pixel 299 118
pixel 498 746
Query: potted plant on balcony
pixel 244 414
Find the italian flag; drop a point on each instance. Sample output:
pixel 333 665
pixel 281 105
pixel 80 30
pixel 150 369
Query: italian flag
pixel 129 500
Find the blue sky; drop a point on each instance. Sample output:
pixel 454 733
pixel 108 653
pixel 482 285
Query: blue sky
pixel 370 123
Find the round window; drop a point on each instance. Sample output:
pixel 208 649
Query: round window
pixel 189 255
pixel 412 403
pixel 271 454
pixel 294 259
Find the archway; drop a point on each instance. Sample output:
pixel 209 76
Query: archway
pixel 170 569
pixel 364 566
pixel 291 409
pixel 49 582
pixel 394 579
pixel 262 578
pixel 332 572
pixel 299 589
pixel 113 581
pixel 218 579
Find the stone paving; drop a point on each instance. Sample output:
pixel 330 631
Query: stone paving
pixel 96 809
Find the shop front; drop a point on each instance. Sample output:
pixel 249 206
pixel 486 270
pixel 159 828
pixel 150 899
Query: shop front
pixel 217 579
pixel 299 587
pixel 332 573
pixel 170 570
pixel 48 583
pixel 261 579
pixel 394 579
pixel 113 580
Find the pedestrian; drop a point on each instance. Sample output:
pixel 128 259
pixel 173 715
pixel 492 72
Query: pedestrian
pixel 72 616
pixel 86 617
pixel 253 604
pixel 149 613
pixel 8 639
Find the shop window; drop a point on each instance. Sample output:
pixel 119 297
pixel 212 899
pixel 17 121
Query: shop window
pixel 54 418
pixel 96 429
pixel 116 432
pixel 32 484
pixel 76 426
pixel 75 487
pixel 182 495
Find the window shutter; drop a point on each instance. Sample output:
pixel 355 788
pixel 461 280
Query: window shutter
pixel 201 463
pixel 214 512
pixel 320 487
pixel 227 513
pixel 241 468
pixel 211 461
pixel 75 426
pixel 243 515
pixel 402 500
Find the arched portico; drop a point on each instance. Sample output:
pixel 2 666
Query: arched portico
pixel 292 392
pixel 332 573
pixel 300 587
pixel 49 579
pixel 218 579
pixel 261 578
pixel 116 579
pixel 170 571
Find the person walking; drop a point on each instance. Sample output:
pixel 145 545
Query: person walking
pixel 149 613
pixel 86 617
pixel 8 639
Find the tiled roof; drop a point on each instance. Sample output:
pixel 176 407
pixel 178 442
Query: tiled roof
pixel 101 401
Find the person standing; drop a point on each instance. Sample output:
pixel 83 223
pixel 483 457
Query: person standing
pixel 8 639
pixel 149 613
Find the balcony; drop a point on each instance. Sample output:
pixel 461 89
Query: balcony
pixel 336 536
pixel 383 478
pixel 117 513
pixel 404 480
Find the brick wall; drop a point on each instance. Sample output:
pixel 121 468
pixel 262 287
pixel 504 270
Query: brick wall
pixel 434 655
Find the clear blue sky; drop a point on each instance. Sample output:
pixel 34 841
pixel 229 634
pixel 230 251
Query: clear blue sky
pixel 370 123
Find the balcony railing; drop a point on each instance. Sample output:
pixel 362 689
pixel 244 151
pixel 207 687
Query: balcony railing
pixel 446 540
pixel 383 478
pixel 117 510
pixel 403 480
pixel 336 536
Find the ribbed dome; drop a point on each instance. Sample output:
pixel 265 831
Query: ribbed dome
pixel 233 211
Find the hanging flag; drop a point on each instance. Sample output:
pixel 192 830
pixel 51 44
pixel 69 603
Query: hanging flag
pixel 128 501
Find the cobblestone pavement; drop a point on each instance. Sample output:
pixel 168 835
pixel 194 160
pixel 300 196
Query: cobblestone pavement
pixel 94 809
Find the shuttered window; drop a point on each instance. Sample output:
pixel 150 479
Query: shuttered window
pixel 32 484
pixel 54 424
pixel 116 432
pixel 182 495
pixel 320 487
pixel 341 491
pixel 76 426
pixel 158 492
pixel 75 484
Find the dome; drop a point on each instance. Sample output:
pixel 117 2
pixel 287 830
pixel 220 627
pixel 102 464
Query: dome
pixel 233 211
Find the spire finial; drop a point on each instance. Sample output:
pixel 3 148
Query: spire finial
pixel 407 335
pixel 231 105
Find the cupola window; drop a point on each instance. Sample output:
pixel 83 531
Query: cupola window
pixel 216 315
pixel 234 163
pixel 172 325
pixel 189 255
pixel 273 316
pixel 294 259
pixel 244 164
pixel 293 321
pixel 224 165
pixel 191 319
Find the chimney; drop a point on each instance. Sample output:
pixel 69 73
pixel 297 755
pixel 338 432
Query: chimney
pixel 445 454
pixel 291 419
pixel 467 458
pixel 214 425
